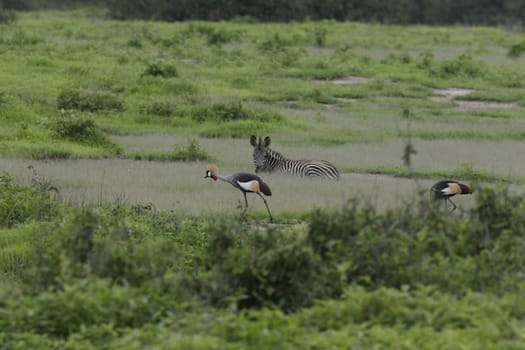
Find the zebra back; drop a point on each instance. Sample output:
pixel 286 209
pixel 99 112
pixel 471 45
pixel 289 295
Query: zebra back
pixel 266 159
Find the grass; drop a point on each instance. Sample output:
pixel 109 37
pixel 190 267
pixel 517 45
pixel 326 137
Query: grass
pixel 150 86
pixel 85 101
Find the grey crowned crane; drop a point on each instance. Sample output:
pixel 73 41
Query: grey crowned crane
pixel 448 188
pixel 245 182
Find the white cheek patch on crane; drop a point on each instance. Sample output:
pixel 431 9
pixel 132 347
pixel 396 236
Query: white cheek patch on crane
pixel 252 186
pixel 453 188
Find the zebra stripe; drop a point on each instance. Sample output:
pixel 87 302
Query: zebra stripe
pixel 268 160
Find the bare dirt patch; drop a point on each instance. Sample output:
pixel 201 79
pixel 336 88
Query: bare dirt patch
pixel 484 104
pixel 331 106
pixel 450 95
pixel 345 80
pixel 452 92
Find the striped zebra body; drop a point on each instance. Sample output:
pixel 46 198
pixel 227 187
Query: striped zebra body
pixel 268 160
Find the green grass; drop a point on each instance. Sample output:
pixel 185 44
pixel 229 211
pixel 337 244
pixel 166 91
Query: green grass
pixel 137 249
pixel 202 64
pixel 124 274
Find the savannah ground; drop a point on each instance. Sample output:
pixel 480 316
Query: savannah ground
pixel 123 117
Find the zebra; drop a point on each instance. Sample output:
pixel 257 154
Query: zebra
pixel 268 160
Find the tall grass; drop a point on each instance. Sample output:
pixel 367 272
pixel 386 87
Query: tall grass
pixel 120 273
pixel 196 69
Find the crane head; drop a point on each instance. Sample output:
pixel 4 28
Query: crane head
pixel 211 171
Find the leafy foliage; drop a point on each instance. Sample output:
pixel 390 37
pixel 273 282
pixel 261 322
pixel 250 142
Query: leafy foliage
pixel 118 272
pixel 19 204
pixel 77 128
pixel 390 11
pixel 233 111
pixel 85 100
pixel 192 151
pixel 161 69
pixel 516 50
pixel 7 16
pixel 131 276
pixel 255 269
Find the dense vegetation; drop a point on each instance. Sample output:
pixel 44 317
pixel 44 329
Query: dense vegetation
pixel 124 275
pixel 121 276
pixel 481 12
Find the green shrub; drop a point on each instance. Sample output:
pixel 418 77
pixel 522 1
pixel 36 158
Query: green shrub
pixel 7 16
pixel 320 34
pixel 160 69
pixel 192 151
pixel 516 50
pixel 252 269
pixel 19 204
pixel 86 100
pixel 77 128
pixel 126 245
pixel 424 245
pixel 220 36
pixel 160 108
pixel 233 111
pixel 21 38
pixel 83 304
pixel 463 66
pixel 237 129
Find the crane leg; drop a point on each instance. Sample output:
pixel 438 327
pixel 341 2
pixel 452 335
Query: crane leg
pixel 266 204
pixel 245 204
pixel 453 205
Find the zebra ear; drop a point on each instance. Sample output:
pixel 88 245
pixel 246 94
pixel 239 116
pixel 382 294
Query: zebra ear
pixel 267 141
pixel 253 140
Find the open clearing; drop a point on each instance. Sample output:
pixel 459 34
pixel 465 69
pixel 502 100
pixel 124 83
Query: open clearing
pixel 354 100
pixel 453 94
pixel 181 187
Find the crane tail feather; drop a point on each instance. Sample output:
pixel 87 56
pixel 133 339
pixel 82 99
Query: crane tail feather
pixel 265 188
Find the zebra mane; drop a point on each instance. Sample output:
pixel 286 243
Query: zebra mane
pixel 274 154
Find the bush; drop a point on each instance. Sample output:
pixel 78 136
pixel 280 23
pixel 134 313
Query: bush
pixel 192 151
pixel 90 101
pixel 160 69
pixel 233 111
pixel 83 304
pixel 19 204
pixel 463 66
pixel 516 50
pixel 252 269
pixel 160 108
pixel 123 244
pixel 7 16
pixel 424 245
pixel 71 127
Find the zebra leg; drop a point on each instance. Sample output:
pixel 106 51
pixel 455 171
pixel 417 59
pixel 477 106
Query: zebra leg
pixel 266 204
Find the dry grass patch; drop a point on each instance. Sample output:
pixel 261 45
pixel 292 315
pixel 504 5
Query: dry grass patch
pixel 497 157
pixel 452 94
pixel 345 80
pixel 484 104
pixel 449 94
pixel 181 187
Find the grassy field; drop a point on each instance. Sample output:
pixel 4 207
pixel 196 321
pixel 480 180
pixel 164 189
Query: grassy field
pixel 347 92
pixel 140 251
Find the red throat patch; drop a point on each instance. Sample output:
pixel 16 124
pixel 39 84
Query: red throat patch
pixel 214 177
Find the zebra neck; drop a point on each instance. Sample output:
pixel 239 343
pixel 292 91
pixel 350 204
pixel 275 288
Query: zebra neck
pixel 276 156
pixel 274 160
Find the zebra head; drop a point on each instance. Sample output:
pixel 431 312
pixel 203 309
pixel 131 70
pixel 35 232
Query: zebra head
pixel 260 151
